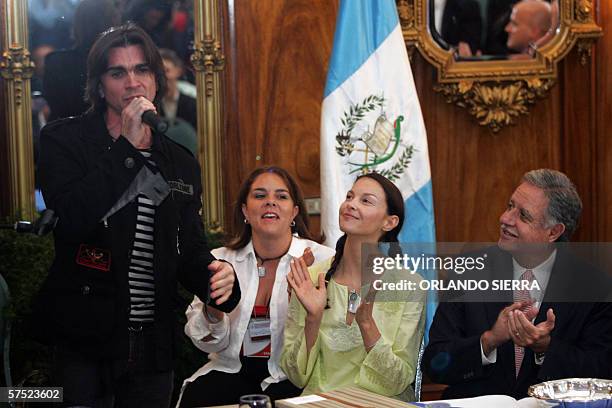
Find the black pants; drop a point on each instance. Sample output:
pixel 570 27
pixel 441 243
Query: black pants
pixel 219 388
pixel 96 383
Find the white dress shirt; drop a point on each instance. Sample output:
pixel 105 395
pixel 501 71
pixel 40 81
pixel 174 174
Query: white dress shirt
pixel 541 274
pixel 228 333
pixel 439 6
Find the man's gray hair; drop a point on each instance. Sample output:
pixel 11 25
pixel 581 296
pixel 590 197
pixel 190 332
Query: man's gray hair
pixel 564 203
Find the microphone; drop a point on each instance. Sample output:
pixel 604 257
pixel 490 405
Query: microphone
pixel 154 121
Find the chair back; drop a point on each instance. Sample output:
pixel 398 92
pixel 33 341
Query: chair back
pixel 418 378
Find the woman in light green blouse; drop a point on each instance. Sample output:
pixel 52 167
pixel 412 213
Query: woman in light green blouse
pixel 334 340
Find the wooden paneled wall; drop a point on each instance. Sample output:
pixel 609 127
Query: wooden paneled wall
pixel 278 51
pixel 602 95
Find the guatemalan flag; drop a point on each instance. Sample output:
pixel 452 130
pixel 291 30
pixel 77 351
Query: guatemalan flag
pixel 371 119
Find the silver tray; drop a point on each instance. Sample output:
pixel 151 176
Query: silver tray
pixel 575 392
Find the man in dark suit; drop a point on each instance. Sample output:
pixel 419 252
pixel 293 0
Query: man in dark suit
pixel 504 347
pixel 176 104
pixel 178 108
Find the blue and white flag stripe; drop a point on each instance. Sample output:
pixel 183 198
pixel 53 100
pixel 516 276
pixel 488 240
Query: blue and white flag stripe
pixel 360 29
pixel 369 58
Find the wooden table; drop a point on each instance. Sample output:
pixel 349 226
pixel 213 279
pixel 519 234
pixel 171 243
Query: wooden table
pixel 350 397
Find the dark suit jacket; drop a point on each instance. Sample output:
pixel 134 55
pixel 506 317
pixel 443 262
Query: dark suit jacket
pixel 186 109
pixel 498 15
pixel 581 342
pixel 64 85
pixel 461 21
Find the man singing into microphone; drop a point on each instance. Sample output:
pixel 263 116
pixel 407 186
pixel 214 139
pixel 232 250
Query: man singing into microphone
pixel 128 202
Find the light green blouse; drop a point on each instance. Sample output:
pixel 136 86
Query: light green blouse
pixel 338 357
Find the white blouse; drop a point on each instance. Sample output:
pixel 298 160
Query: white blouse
pixel 228 334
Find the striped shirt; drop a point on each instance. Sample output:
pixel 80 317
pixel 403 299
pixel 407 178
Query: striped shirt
pixel 140 276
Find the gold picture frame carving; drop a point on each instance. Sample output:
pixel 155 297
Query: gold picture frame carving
pixel 516 84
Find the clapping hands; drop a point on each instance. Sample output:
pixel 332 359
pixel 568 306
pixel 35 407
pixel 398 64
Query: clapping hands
pixel 312 298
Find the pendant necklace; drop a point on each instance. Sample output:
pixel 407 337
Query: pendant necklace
pixel 354 300
pixel 261 269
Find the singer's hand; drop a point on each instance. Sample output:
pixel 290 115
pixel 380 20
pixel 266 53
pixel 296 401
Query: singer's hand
pixel 221 281
pixel 132 127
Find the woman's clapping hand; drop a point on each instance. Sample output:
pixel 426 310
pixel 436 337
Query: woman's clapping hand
pixel 312 298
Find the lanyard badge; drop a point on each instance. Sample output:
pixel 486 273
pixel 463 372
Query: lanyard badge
pixel 259 328
pixel 258 339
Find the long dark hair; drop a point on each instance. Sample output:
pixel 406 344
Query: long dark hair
pixel 243 231
pixel 97 61
pixel 395 206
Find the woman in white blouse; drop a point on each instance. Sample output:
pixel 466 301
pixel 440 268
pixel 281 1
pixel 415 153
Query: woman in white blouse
pixel 245 345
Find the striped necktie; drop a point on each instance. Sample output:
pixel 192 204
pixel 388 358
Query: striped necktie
pixel 519 296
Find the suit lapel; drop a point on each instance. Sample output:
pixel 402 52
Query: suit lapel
pixel 559 284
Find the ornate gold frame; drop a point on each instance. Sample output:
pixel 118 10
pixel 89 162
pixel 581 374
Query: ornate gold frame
pixel 16 68
pixel 208 60
pixel 496 92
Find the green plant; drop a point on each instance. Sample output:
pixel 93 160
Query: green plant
pixel 24 261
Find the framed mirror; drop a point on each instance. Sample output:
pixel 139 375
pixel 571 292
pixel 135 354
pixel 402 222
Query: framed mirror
pixel 495 58
pixel 33 28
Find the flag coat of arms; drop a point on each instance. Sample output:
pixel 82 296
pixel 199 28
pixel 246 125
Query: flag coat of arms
pixel 371 119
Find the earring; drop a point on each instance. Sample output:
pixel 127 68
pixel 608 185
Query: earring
pixel 246 221
pixel 292 223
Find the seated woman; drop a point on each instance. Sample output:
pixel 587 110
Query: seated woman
pixel 331 339
pixel 245 345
